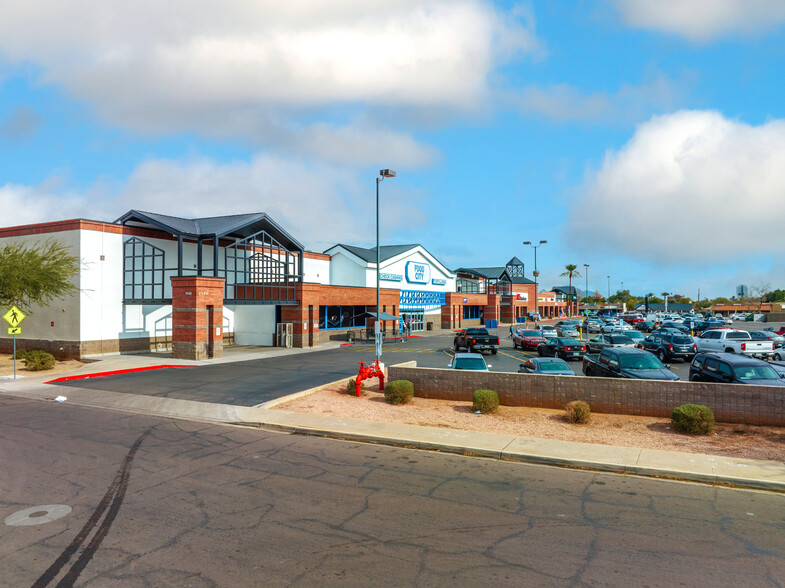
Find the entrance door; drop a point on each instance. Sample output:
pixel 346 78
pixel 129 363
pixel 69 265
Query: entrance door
pixel 416 319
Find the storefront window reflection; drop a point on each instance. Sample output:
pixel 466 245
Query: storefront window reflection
pixel 342 317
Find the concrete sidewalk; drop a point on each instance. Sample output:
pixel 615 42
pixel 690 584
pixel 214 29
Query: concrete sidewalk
pixel 757 474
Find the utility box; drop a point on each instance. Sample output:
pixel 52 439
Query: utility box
pixel 283 335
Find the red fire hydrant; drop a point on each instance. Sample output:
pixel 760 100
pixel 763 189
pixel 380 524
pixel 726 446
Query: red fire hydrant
pixel 369 371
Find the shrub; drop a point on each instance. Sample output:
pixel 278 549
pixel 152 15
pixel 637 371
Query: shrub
pixel 485 401
pixel 578 412
pixel 20 354
pixel 351 388
pixel 694 419
pixel 36 361
pixel 399 391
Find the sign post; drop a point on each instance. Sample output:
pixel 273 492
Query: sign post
pixel 13 317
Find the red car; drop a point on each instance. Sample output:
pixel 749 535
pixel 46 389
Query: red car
pixel 780 331
pixel 528 339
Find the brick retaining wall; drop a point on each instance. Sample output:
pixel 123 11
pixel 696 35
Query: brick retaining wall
pixel 731 403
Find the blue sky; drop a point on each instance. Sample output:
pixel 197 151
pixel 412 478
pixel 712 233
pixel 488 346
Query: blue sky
pixel 646 139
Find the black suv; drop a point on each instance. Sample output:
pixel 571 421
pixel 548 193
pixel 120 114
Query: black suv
pixel 669 346
pixel 733 368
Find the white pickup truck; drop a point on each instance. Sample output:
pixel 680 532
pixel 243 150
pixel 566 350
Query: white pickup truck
pixel 732 341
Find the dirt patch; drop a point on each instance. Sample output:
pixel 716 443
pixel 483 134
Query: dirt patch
pixel 744 441
pixel 7 367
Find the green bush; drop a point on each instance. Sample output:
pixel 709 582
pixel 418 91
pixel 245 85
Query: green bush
pixel 20 354
pixel 578 412
pixel 37 361
pixel 351 388
pixel 694 419
pixel 485 401
pixel 399 391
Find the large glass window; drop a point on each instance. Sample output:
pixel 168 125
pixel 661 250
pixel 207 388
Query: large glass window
pixel 143 271
pixel 342 317
pixel 472 312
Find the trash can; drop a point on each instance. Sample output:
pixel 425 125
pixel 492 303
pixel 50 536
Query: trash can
pixel 430 326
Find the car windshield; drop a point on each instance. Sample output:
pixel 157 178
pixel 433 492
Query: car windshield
pixel 682 340
pixel 531 334
pixel 553 366
pixel 738 335
pixel 569 342
pixel 620 339
pixel 756 372
pixel 640 362
pixel 469 363
pixel 476 331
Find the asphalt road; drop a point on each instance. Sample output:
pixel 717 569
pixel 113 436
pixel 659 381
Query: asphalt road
pixel 253 382
pixel 97 498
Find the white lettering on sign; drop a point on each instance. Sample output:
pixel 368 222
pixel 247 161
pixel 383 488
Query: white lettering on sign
pixel 189 293
pixel 418 272
pixel 217 331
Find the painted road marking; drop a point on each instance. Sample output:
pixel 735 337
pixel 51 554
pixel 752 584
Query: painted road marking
pixel 37 515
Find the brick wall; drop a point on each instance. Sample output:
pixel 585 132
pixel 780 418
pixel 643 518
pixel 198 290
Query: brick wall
pixel 731 403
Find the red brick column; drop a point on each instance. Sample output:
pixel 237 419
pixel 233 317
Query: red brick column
pixel 303 322
pixel 197 317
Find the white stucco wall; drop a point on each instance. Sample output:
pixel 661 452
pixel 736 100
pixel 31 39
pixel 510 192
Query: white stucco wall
pixel 101 284
pixel 254 324
pixel 345 271
pixel 316 271
pixel 397 266
pixel 60 319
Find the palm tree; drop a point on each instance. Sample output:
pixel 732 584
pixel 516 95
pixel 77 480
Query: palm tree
pixel 571 273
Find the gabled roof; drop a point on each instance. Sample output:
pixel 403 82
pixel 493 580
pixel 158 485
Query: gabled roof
pixel 237 226
pixel 494 273
pixel 568 290
pixel 369 255
pixel 515 261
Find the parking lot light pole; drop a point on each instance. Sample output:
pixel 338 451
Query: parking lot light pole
pixel 377 329
pixel 535 273
pixel 586 293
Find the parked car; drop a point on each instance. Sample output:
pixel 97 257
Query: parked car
pixel 567 330
pixel 611 326
pixel 768 336
pixel 733 368
pixel 779 354
pixel 600 342
pixel 675 325
pixel 528 339
pixel 626 362
pixel 550 366
pixel 667 330
pixel 645 326
pixel 669 346
pixel 564 347
pixel 636 336
pixel 547 330
pixel 468 361
pixel 733 341
pixel 780 331
pixel 592 325
pixel 476 339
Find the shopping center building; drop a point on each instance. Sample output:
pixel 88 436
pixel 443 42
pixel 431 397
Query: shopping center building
pixel 149 281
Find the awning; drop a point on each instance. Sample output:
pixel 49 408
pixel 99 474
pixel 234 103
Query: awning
pixel 383 316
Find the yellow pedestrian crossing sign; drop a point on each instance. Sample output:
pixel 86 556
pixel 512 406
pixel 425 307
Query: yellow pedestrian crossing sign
pixel 14 316
pixel 14 330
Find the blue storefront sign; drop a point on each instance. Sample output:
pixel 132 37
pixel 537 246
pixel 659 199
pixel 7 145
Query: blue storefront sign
pixel 418 272
pixel 391 277
pixel 438 282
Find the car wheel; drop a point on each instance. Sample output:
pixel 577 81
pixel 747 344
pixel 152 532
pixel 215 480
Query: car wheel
pixel 539 352
pixel 661 355
pixel 493 351
pixel 777 357
pixel 455 346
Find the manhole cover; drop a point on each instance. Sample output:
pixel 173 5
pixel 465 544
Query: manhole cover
pixel 37 515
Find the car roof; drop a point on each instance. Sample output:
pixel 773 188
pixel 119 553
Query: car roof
pixel 628 350
pixel 468 355
pixel 735 358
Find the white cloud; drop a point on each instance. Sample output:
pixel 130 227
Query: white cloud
pixel 688 188
pixel 217 65
pixel 703 20
pixel 318 203
pixel 630 103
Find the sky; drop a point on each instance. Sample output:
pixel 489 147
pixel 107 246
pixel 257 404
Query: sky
pixel 646 139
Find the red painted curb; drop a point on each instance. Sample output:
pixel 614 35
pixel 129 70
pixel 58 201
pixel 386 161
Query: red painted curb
pixel 115 372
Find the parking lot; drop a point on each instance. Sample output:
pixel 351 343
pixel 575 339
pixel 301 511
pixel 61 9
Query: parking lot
pixel 253 382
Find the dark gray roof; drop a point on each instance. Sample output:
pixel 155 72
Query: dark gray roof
pixel 515 261
pixel 672 306
pixel 369 255
pixel 236 225
pixel 569 290
pixel 489 273
pixel 494 273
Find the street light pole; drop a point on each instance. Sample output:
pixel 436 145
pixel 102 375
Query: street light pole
pixel 609 290
pixel 377 329
pixel 586 293
pixel 535 273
